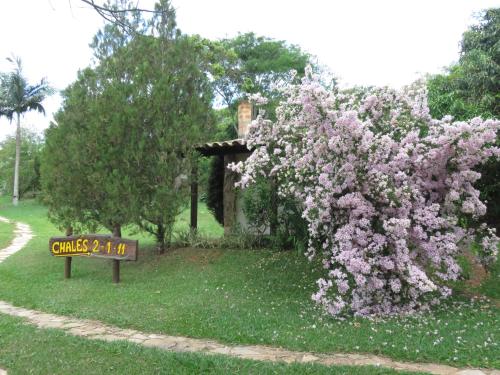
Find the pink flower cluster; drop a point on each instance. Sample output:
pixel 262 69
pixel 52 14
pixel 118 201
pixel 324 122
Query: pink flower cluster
pixel 385 190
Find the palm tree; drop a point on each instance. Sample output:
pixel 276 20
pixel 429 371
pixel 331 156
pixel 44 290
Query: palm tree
pixel 16 98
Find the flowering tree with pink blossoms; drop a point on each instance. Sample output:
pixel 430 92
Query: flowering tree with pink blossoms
pixel 387 192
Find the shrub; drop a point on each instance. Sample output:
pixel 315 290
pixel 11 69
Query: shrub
pixel 236 240
pixel 388 193
pixel 291 228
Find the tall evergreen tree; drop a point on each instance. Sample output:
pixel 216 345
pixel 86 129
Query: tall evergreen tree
pixel 143 107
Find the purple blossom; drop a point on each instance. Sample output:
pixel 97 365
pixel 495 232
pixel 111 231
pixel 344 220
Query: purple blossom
pixel 382 202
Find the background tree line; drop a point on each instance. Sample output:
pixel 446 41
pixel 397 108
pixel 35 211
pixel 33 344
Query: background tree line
pixel 121 148
pixel 29 171
pixel 18 96
pixel 471 88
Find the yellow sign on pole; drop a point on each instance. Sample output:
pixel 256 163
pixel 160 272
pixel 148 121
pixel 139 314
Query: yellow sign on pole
pixel 94 245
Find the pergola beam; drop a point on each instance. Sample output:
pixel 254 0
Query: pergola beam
pixel 194 195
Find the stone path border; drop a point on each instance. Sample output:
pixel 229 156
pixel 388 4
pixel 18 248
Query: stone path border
pixel 22 236
pixel 97 330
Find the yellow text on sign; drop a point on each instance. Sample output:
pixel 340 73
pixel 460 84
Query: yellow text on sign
pixel 85 247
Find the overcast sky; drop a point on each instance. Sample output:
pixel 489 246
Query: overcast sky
pixel 364 42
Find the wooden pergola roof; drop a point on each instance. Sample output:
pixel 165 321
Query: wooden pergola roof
pixel 234 146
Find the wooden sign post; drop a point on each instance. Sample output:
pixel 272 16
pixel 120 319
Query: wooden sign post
pixel 97 246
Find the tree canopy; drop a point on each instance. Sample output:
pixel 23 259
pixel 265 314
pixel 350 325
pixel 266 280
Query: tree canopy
pixel 471 88
pixel 17 96
pixel 127 129
pixel 249 63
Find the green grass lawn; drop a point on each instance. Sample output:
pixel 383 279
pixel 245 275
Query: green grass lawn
pixel 27 350
pixel 207 225
pixel 6 234
pixel 250 297
pixel 491 287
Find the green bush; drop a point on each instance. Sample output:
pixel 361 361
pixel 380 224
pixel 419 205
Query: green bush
pixel 236 240
pixel 291 228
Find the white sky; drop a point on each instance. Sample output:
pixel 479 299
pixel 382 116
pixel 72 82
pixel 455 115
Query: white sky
pixel 366 42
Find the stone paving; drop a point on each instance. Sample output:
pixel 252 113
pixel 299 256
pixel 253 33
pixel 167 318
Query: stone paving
pixel 22 234
pixel 96 330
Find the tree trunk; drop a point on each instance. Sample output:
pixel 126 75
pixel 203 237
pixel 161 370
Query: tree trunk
pixel 160 238
pixel 117 230
pixel 194 195
pixel 15 192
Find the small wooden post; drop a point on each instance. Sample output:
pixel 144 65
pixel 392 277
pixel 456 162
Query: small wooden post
pixel 116 271
pixel 67 260
pixel 117 232
pixel 229 195
pixel 194 195
pixel 67 267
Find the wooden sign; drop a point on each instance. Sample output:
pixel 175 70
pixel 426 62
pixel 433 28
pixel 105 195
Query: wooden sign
pixel 94 245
